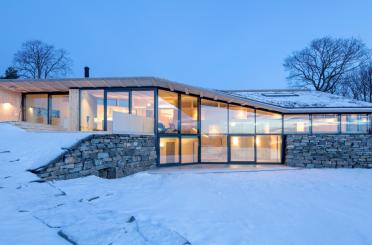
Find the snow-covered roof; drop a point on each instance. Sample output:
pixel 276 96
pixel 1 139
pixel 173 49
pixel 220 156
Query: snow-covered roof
pixel 300 99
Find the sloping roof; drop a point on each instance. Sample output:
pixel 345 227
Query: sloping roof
pixel 285 101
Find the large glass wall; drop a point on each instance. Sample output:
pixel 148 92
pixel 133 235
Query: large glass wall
pixel 354 123
pixel 242 148
pixel 213 117
pixel 214 148
pixel 268 122
pixel 189 149
pixel 143 111
pixel 117 111
pixel 169 150
pixel 189 114
pixel 36 108
pixel 91 110
pixel 241 120
pixel 59 112
pixel 167 112
pixel 297 124
pixel 325 123
pixel 269 148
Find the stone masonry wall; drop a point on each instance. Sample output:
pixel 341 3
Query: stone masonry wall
pixel 329 151
pixel 107 156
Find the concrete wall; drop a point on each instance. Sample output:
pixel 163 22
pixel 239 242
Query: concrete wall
pixel 329 151
pixel 10 106
pixel 104 155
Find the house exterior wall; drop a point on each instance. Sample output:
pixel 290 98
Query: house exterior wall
pixel 10 106
pixel 74 109
pixel 329 151
pixel 104 155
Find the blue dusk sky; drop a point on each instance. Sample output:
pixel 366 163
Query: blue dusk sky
pixel 214 44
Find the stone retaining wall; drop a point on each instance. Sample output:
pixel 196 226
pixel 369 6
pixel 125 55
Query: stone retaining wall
pixel 329 151
pixel 107 156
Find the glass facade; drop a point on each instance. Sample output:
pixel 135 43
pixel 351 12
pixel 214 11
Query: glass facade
pixel 117 110
pixel 241 120
pixel 59 112
pixel 169 150
pixel 189 114
pixel 269 148
pixel 143 111
pixel 354 123
pixel 36 108
pixel 242 148
pixel 325 123
pixel 214 148
pixel 91 110
pixel 189 149
pixel 268 122
pixel 297 124
pixel 167 112
pixel 213 117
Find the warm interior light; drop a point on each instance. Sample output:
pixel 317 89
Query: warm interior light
pixel 213 130
pixel 240 114
pixel 233 124
pixel 235 141
pixel 300 127
pixel 148 104
pixel 7 106
pixel 162 144
pixel 267 128
pixel 258 142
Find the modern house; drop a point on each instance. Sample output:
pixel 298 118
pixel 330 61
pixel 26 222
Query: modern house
pixel 191 124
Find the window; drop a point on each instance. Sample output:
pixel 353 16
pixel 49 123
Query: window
pixel 242 148
pixel 189 114
pixel 36 108
pixel 189 149
pixel 241 120
pixel 117 111
pixel 325 123
pixel 297 124
pixel 269 148
pixel 91 110
pixel 354 123
pixel 214 148
pixel 60 110
pixel 169 150
pixel 268 122
pixel 167 112
pixel 213 117
pixel 142 118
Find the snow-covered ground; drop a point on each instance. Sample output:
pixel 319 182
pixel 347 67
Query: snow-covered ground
pixel 318 206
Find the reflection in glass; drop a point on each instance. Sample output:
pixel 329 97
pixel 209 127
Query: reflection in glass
pixel 142 118
pixel 297 124
pixel 325 123
pixel 268 122
pixel 189 114
pixel 241 120
pixel 60 110
pixel 213 117
pixel 91 110
pixel 269 148
pixel 354 123
pixel 242 148
pixel 117 111
pixel 36 106
pixel 214 148
pixel 189 149
pixel 169 150
pixel 167 112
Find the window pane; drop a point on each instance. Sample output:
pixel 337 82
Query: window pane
pixel 325 123
pixel 296 124
pixel 354 123
pixel 37 108
pixel 189 149
pixel 117 111
pixel 189 114
pixel 167 112
pixel 268 122
pixel 242 148
pixel 60 110
pixel 213 117
pixel 241 120
pixel 91 110
pixel 169 150
pixel 214 148
pixel 142 118
pixel 269 148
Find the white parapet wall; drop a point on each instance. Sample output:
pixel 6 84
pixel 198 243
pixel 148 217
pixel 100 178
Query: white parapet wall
pixel 10 106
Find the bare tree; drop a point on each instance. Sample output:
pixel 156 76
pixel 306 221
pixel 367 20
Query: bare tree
pixel 325 63
pixel 358 85
pixel 39 60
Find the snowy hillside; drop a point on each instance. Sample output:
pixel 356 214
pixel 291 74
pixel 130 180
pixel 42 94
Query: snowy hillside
pixel 320 206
